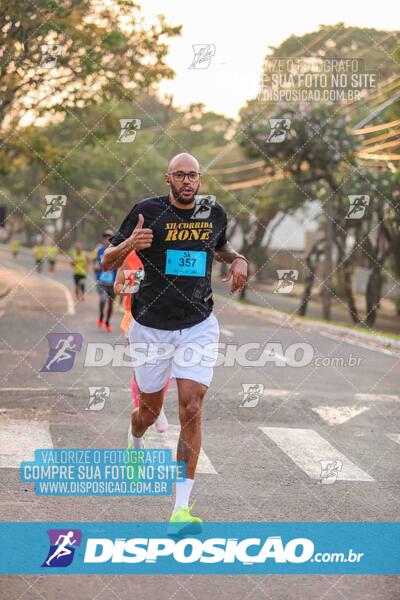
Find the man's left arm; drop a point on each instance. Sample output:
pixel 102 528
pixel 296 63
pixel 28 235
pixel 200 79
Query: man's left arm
pixel 238 270
pixel 227 254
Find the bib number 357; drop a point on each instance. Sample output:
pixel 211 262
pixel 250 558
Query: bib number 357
pixel 187 263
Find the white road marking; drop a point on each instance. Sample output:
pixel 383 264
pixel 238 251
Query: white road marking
pixel 68 295
pixel 395 437
pixel 337 415
pixel 227 332
pixel 25 389
pixel 377 397
pixel 169 439
pixel 274 393
pixel 20 438
pixel 357 343
pixel 278 356
pixel 47 389
pixel 307 448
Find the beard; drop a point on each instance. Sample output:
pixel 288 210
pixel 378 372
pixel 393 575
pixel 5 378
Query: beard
pixel 184 200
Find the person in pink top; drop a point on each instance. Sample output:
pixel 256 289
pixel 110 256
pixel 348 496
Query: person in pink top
pixel 127 282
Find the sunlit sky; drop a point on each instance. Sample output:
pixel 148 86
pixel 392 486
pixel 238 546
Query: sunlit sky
pixel 242 32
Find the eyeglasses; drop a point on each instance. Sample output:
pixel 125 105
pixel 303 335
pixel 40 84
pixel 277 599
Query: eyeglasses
pixel 180 175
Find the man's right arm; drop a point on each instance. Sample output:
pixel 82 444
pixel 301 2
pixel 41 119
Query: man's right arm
pixel 127 239
pixel 114 256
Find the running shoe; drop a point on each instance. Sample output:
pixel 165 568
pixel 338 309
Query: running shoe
pixel 182 522
pixel 108 328
pixel 161 423
pixel 99 323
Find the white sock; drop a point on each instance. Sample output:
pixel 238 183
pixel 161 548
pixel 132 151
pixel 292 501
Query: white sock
pixel 183 489
pixel 138 442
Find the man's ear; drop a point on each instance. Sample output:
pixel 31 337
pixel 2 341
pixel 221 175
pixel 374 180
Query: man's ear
pixel 167 178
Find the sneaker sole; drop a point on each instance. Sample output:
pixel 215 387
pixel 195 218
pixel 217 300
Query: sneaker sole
pixel 182 529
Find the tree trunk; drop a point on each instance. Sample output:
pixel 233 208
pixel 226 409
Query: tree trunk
pixel 373 295
pixel 348 291
pixel 312 261
pixel 345 261
pixel 377 255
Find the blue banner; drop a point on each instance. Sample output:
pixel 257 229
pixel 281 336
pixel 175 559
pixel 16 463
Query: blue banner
pixel 221 548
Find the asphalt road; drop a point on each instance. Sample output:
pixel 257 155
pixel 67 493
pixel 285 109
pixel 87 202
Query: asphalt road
pixel 258 462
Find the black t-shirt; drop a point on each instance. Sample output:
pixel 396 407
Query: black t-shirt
pixel 176 290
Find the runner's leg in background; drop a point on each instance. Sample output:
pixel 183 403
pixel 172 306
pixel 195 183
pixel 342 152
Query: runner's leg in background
pixel 110 304
pixel 102 303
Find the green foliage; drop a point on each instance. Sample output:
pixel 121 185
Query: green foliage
pixel 319 140
pixel 80 157
pixel 105 53
pixel 377 48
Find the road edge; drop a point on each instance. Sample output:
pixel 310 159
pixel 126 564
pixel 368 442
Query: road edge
pixel 294 321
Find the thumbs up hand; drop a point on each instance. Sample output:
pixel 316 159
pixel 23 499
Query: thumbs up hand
pixel 141 237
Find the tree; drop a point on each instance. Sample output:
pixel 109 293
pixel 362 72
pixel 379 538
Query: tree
pixel 379 236
pixel 56 57
pixel 317 149
pixel 330 41
pixel 102 178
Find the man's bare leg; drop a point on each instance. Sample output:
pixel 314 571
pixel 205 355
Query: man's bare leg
pixel 191 396
pixel 145 415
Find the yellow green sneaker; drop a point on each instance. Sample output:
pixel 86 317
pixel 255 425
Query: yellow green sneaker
pixel 182 522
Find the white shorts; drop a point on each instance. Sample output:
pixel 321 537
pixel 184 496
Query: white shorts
pixel 158 354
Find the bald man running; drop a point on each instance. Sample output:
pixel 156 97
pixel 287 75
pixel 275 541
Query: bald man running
pixel 176 236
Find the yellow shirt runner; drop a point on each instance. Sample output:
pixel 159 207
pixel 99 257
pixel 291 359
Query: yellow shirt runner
pixel 79 262
pixel 52 252
pixel 39 252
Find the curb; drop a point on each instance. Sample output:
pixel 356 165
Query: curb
pixel 292 321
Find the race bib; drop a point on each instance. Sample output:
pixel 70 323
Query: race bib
pixel 186 262
pixel 107 277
